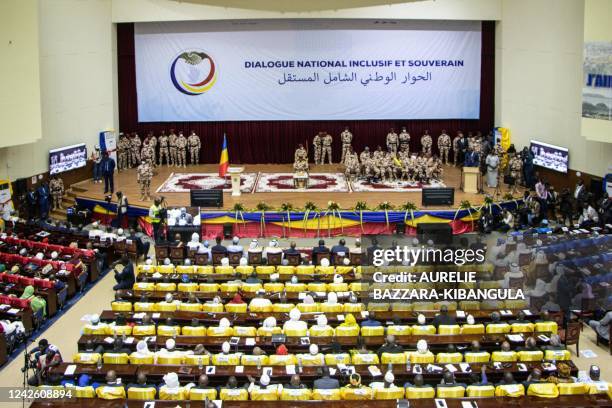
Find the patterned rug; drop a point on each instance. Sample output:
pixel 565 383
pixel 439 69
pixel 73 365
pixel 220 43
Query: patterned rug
pixel 318 183
pixel 183 182
pixel 391 186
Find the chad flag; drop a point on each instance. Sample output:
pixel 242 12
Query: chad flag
pixel 224 160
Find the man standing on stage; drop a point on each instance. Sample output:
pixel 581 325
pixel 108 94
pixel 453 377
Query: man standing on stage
pixel 143 176
pixel 404 140
pixel 172 144
pixel 327 141
pixel 56 185
pixel 163 149
pixel 108 172
pixel 123 152
pixel 347 138
pixel 193 141
pixel 135 145
pixel 316 145
pixel 444 144
pixel 153 145
pixel 456 148
pixel 181 150
pixel 426 143
pixel 147 154
pixel 392 140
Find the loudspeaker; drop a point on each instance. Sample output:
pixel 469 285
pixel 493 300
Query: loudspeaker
pixel 439 233
pixel 400 228
pixel 206 198
pixel 21 187
pixel 228 231
pixel 438 196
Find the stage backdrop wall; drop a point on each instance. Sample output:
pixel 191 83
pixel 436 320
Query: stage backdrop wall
pixel 274 141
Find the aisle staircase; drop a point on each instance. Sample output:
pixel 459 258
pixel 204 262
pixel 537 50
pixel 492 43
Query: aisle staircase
pixel 68 201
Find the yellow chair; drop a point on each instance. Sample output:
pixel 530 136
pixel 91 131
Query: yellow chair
pixel 401 307
pixel 245 331
pixel 193 331
pixel 233 394
pixel 357 286
pixel 353 307
pixel 146 330
pixel 295 287
pixel 516 304
pixel 200 394
pixel 268 332
pixel 521 327
pixel 226 359
pixel 421 358
pixel 326 395
pixel 388 393
pixel 449 358
pixel 165 287
pixel 166 307
pixel 393 358
pixel 420 392
pixel 173 395
pixel 479 357
pixel 224 270
pixel 339 358
pixel 212 307
pixel 473 391
pixel 109 392
pixel 373 331
pixel 144 286
pixel 365 358
pixel 308 307
pixel 343 270
pixel 143 394
pixel 229 287
pixel 450 392
pixel 309 360
pixel 422 306
pixel 236 307
pixel 197 359
pixel 120 330
pixel 144 307
pixel 427 329
pixel 344 331
pixel 99 329
pixel 276 360
pixel 326 331
pixel 558 355
pixel 469 305
pixel 205 269
pixel 510 390
pixel 282 307
pixel 274 287
pixel 473 329
pixel 531 355
pixel 165 269
pixel 543 390
pixel 185 269
pixel 264 394
pixel 265 270
pixel 188 287
pixel 296 332
pixel 600 387
pixel 136 358
pixel 251 360
pixel 169 359
pixel 163 330
pixel 572 388
pixel 300 394
pixel 504 356
pixel 378 307
pixel 399 330
pixel 449 329
pixel 209 287
pixel 497 328
pixel 325 270
pixel 190 307
pixel 86 358
pixel 115 358
pixel 217 331
pixel 546 327
pixel 317 287
pixel 251 287
pixel 356 394
pixel 84 392
pixel 263 308
pixel 121 306
pixel 337 287
pixel 285 270
pixel 305 270
pixel 245 269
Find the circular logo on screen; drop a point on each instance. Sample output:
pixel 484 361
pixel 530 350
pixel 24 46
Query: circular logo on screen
pixel 193 72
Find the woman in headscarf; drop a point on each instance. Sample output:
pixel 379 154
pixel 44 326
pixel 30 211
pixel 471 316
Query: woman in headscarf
pixel 349 321
pixel 237 299
pixel 36 303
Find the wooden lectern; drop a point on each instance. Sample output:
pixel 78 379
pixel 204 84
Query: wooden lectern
pixel 470 179
pixel 235 173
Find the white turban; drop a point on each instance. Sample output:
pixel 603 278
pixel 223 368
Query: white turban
pixel 332 298
pixel 170 344
pixel 321 320
pixel 389 377
pixel 224 261
pixel 295 314
pixel 269 322
pixel 120 231
pixel 167 261
pixel 187 262
pixel 168 298
pixel 264 380
pixel 338 278
pixel 224 323
pixel 225 347
pixel 149 261
pixel 314 349
pixel 195 237
pixel 40 255
pixel 142 347
pixel 94 319
pixel 325 262
pixel 171 380
pixel 470 319
pixel 243 262
pixel 422 346
pixel 346 261
pixel 421 319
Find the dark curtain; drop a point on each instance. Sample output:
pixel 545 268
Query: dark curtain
pixel 275 141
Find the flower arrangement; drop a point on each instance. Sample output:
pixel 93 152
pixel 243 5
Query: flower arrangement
pixel 408 207
pixel 386 207
pixel 360 207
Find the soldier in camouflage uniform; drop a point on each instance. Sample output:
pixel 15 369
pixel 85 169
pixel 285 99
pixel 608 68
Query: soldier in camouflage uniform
pixel 123 147
pixel 392 141
pixel 56 186
pixel 144 174
pixel 386 166
pixel 363 159
pixel 181 150
pixel 316 144
pixel 346 138
pixel 426 143
pixel 164 153
pixel 326 141
pixel 172 147
pixel 193 141
pixel 146 154
pixel 456 148
pixel 135 145
pixel 351 163
pixel 300 159
pixel 404 140
pixel 516 169
pixel 153 144
pixel 444 144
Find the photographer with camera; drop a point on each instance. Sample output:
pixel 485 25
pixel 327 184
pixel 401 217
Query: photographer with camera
pixel 42 359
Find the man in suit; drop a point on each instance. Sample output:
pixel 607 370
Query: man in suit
pixel 320 249
pixel 341 247
pixel 443 318
pixel 326 382
pixel 219 248
pixel 108 171
pixel 471 158
pixel 126 278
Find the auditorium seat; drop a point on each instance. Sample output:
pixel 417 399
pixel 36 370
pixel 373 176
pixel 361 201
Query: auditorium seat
pixel 449 329
pixel 450 392
pixel 356 394
pixel 141 393
pixel 201 394
pixel 474 391
pixel 543 390
pixel 326 395
pixel 420 392
pixel 115 358
pixel 233 394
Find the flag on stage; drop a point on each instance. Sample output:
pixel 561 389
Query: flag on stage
pixel 224 160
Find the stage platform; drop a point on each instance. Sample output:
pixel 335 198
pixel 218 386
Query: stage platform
pixel 125 181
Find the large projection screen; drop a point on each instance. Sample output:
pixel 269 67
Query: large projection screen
pixel 307 70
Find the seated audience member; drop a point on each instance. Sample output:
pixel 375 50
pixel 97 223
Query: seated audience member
pixel 448 380
pixel 140 387
pixel 325 382
pixel 418 388
pixel 126 278
pixel 508 387
pixel 443 318
pixel 37 303
pixel 292 249
pixel 601 327
pixel 171 389
pixel 318 250
pixel 340 248
pixel 112 389
pixel 219 248
pixel 505 355
pixel 294 325
pixel 194 244
pixel 390 346
pixel 371 321
pixel 272 248
pixel 235 248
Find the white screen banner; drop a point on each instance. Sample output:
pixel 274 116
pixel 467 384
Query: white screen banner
pixel 307 70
